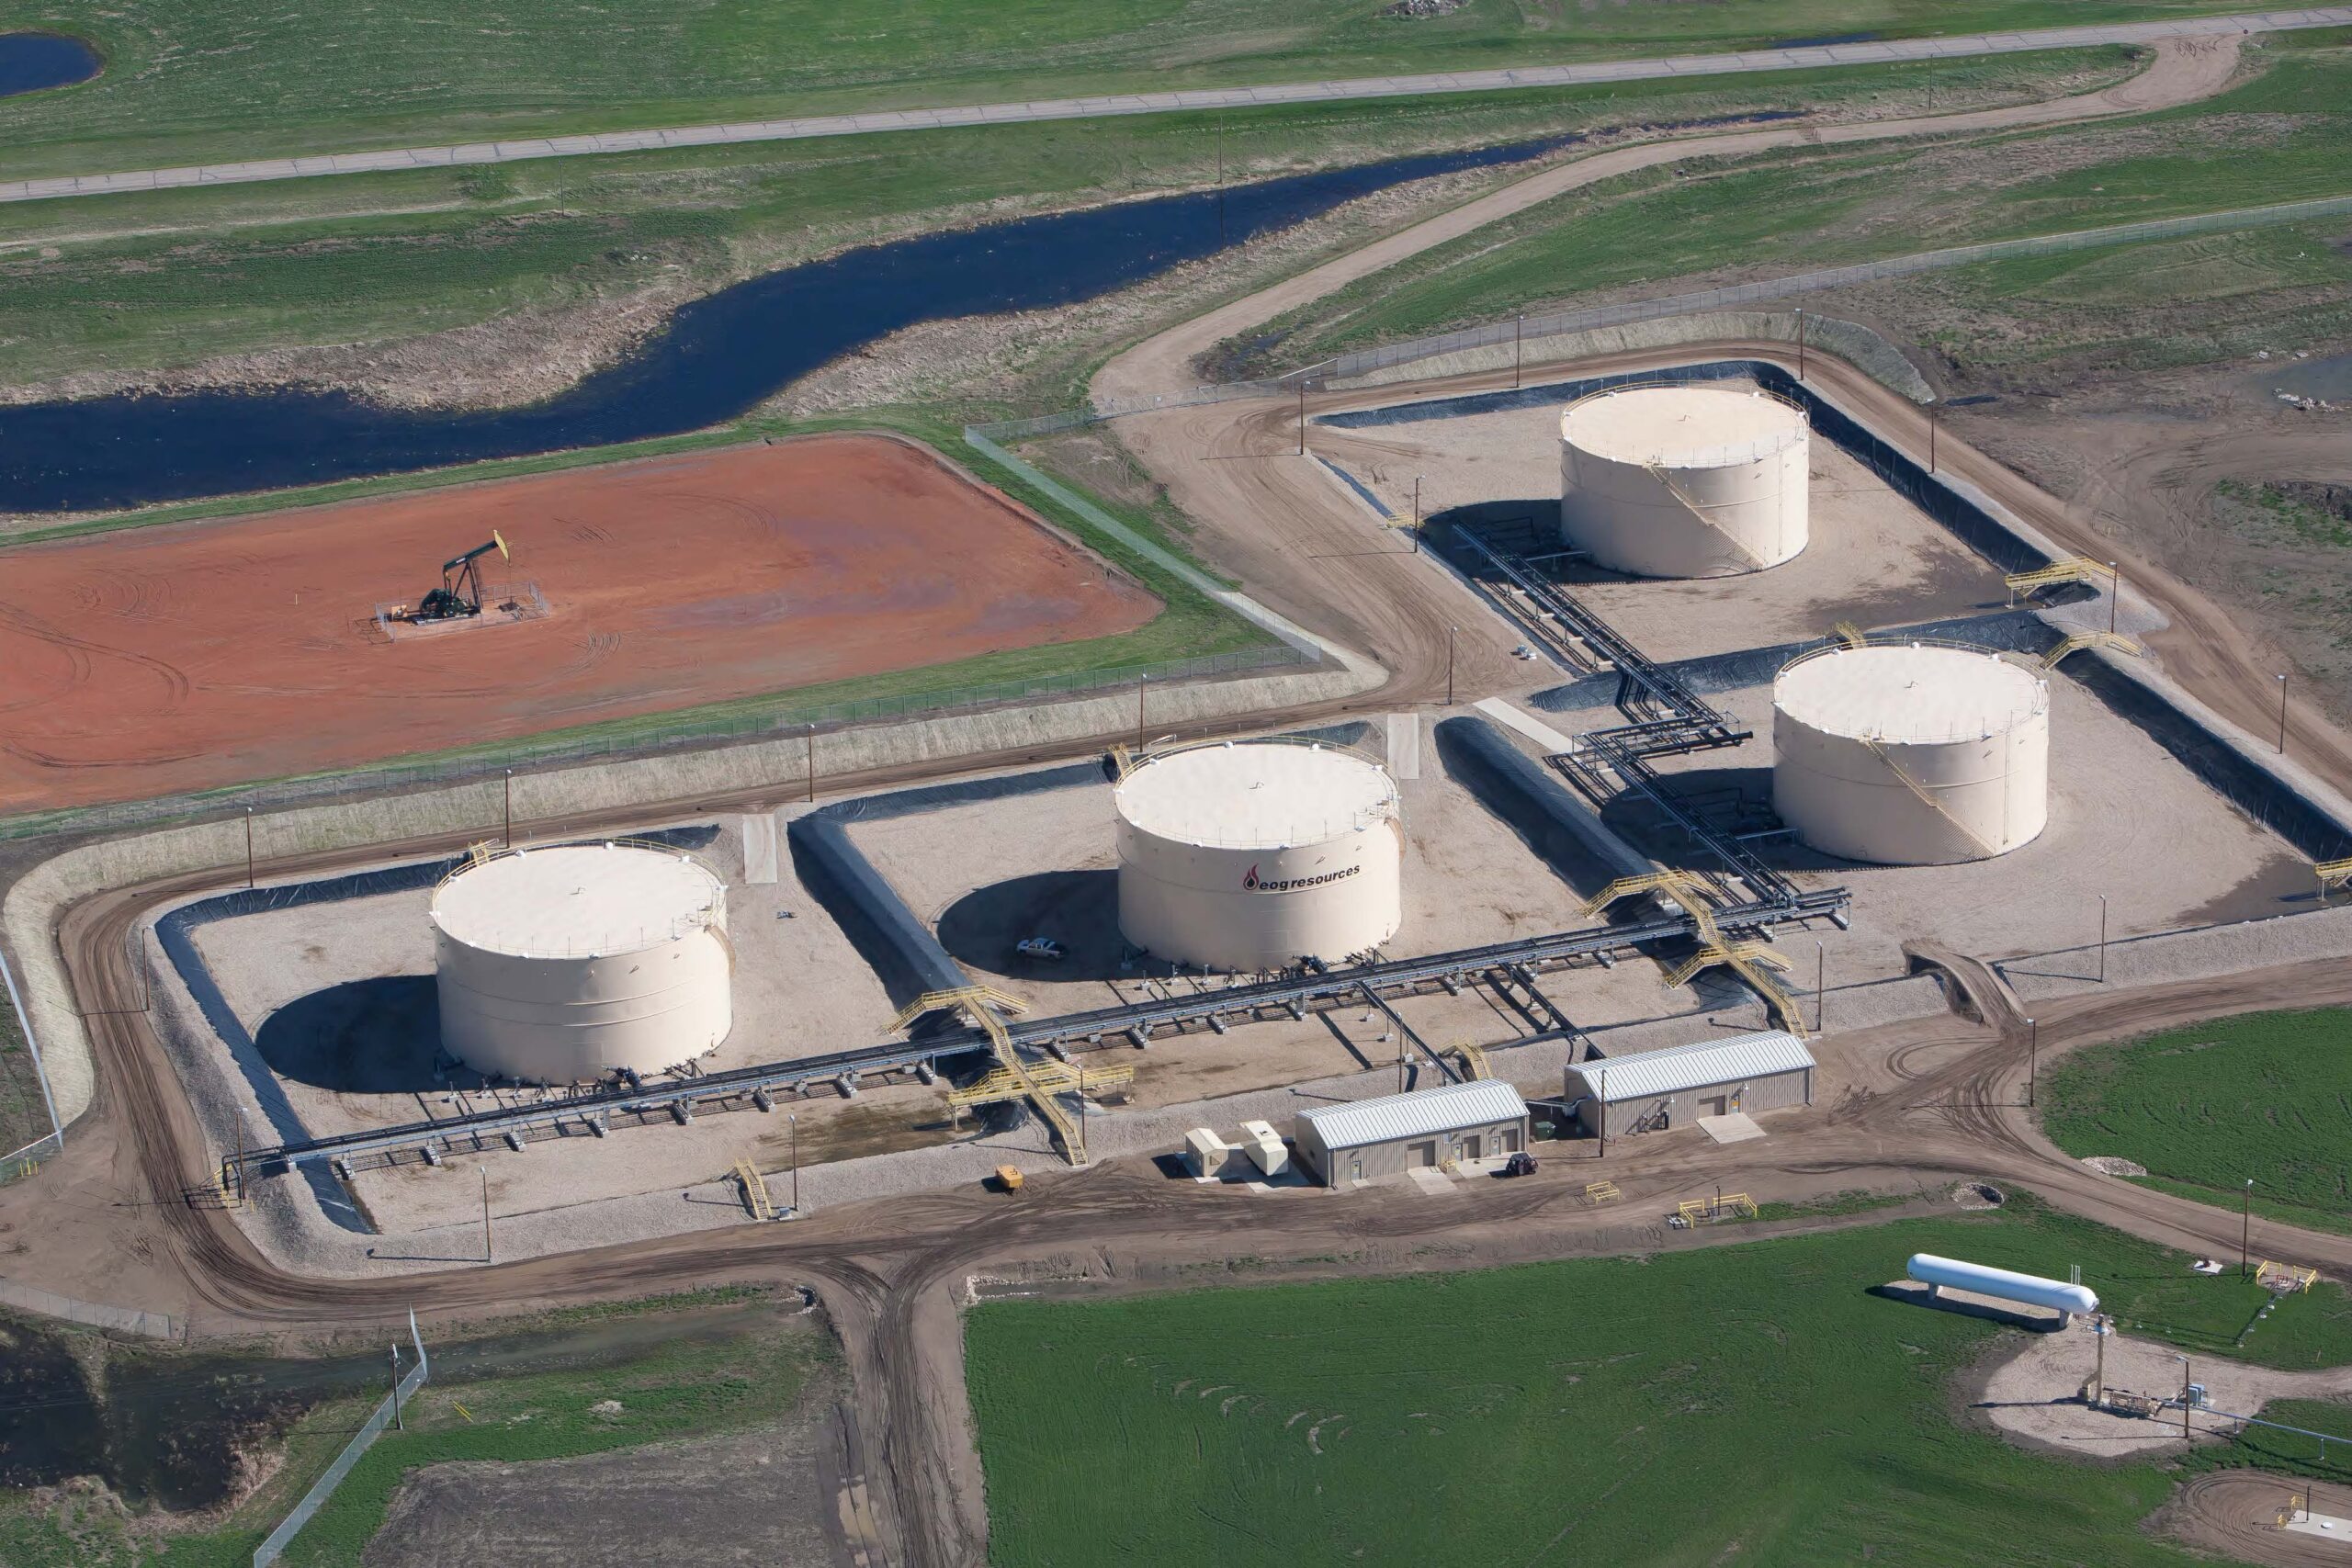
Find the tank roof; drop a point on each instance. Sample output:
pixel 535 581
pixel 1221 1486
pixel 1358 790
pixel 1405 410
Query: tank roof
pixel 1256 794
pixel 1682 427
pixel 1909 693
pixel 574 900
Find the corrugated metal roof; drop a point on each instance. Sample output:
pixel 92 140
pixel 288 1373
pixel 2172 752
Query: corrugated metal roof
pixel 1649 1074
pixel 1417 1114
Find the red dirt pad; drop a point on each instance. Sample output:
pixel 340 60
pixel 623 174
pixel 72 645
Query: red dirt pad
pixel 196 655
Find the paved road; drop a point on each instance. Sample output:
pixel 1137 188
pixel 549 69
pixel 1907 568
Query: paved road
pixel 1804 59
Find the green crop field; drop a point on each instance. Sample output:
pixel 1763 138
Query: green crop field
pixel 142 281
pixel 2266 1096
pixel 1754 1402
pixel 2285 135
pixel 236 78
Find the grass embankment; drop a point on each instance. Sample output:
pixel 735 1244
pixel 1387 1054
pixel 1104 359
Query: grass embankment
pixel 2283 136
pixel 245 78
pixel 2266 1096
pixel 1755 1401
pixel 690 1386
pixel 139 281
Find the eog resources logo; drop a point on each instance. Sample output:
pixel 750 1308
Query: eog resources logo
pixel 1254 883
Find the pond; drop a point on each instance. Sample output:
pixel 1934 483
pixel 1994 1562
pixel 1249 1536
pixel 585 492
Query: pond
pixel 31 63
pixel 719 357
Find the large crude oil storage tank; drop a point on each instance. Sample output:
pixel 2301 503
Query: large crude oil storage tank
pixel 564 963
pixel 1684 481
pixel 1251 855
pixel 1911 754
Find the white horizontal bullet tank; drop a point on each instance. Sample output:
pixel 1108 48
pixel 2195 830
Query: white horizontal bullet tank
pixel 2002 1284
pixel 1251 855
pixel 1911 754
pixel 561 965
pixel 1685 480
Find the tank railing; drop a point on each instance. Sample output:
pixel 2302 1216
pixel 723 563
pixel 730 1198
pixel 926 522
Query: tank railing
pixel 482 855
pixel 680 926
pixel 1386 810
pixel 1723 454
pixel 1974 732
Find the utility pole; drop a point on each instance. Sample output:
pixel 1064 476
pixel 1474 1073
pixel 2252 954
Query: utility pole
pixel 2102 939
pixel 1141 681
pixel 1449 665
pixel 2282 716
pixel 2246 1228
pixel 487 1253
pixel 2100 1331
pixel 2032 1058
pixel 249 820
pixel 1931 438
pixel 2184 1396
pixel 1518 328
pixel 812 764
pixel 1417 515
pixel 1800 342
pixel 1302 416
pixel 510 808
pixel 796 1164
pixel 398 1422
pixel 1820 982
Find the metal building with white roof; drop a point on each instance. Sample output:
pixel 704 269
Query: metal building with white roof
pixel 1396 1132
pixel 1653 1090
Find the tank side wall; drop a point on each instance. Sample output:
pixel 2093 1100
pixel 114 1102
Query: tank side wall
pixel 1632 520
pixel 566 1019
pixel 1251 909
pixel 1845 798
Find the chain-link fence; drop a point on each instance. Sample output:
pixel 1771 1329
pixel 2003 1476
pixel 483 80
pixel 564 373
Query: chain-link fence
pixel 91 1314
pixel 24 1106
pixel 269 1551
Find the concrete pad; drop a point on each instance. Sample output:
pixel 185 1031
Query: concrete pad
pixel 1527 723
pixel 2325 1526
pixel 1436 1183
pixel 1736 1128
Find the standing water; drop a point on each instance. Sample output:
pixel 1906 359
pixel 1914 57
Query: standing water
pixel 32 61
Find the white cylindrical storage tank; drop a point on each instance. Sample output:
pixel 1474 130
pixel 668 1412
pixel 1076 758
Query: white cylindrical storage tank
pixel 1684 481
pixel 561 965
pixel 1251 855
pixel 2004 1284
pixel 1911 754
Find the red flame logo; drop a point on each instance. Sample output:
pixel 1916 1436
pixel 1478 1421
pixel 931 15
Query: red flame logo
pixel 1251 880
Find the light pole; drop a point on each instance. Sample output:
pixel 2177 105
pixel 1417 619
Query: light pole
pixel 2102 939
pixel 2245 1227
pixel 1800 342
pixel 2184 1396
pixel 796 1164
pixel 488 1256
pixel 1449 664
pixel 2114 594
pixel 1820 982
pixel 2282 716
pixel 1604 1113
pixel 1518 326
pixel 510 808
pixel 1417 515
pixel 2032 1057
pixel 249 822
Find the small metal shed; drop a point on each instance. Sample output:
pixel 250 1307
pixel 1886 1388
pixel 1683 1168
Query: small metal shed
pixel 1373 1138
pixel 1648 1090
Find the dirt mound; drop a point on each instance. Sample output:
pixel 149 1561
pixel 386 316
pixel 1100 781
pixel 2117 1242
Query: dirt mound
pixel 1978 1195
pixel 2115 1165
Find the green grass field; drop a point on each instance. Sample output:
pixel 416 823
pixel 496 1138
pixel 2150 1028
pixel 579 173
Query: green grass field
pixel 1753 1404
pixel 236 78
pixel 137 282
pixel 690 1386
pixel 2283 136
pixel 2266 1096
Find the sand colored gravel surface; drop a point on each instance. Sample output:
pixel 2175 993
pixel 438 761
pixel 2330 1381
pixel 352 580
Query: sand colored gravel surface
pixel 1875 559
pixel 2035 1393
pixel 198 655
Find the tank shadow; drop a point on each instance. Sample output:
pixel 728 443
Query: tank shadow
pixel 378 1036
pixel 1077 909
pixel 1718 796
pixel 1912 1293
